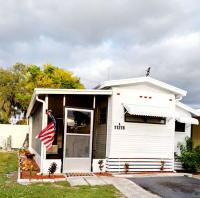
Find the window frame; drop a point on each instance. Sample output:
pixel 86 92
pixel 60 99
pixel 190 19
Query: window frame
pixel 145 119
pixel 180 123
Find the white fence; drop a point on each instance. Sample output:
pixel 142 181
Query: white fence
pixel 17 133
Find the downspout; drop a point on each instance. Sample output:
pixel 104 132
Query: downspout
pixel 43 126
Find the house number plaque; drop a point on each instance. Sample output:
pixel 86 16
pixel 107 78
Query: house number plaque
pixel 119 127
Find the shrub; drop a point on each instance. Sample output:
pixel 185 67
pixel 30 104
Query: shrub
pixel 190 157
pixel 126 167
pixel 100 162
pixel 52 168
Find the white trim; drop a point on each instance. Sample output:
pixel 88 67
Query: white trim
pixel 94 102
pixel 112 83
pixel 187 120
pixel 72 91
pixel 90 135
pixel 187 108
pixel 46 91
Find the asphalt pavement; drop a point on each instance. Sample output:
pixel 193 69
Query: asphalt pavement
pixel 170 187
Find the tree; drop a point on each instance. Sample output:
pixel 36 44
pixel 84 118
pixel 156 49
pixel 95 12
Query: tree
pixel 18 82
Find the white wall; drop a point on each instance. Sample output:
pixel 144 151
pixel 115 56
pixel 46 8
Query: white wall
pixel 95 165
pixel 141 140
pixel 180 136
pixel 47 163
pixel 17 132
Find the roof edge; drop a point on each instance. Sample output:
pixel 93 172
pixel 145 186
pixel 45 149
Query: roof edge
pixel 150 80
pixel 46 91
pixel 181 105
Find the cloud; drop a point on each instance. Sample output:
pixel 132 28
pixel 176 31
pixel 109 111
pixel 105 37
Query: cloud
pixel 100 40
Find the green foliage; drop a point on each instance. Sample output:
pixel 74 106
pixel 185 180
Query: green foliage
pixel 22 122
pixel 52 168
pixel 190 157
pixel 100 162
pixel 18 82
pixel 9 187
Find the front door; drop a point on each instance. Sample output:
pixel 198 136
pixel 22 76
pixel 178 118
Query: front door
pixel 77 140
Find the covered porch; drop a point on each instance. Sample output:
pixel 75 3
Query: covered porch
pixel 81 128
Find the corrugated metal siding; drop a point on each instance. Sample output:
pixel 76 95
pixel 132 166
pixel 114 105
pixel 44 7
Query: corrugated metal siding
pixel 138 164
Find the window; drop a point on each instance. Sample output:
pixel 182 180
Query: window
pixel 144 119
pixel 179 127
pixel 102 115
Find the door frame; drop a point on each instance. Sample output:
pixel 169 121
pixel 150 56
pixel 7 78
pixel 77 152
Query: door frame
pixel 90 135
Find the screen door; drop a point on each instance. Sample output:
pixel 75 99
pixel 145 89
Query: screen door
pixel 77 140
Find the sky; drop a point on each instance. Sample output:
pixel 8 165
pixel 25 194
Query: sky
pixel 100 40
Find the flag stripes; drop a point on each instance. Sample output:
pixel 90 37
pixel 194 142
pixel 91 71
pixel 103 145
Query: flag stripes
pixel 47 135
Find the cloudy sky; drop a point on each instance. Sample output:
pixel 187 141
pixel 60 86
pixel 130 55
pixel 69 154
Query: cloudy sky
pixel 106 39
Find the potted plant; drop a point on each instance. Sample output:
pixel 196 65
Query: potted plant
pixel 126 167
pixel 100 162
pixel 52 169
pixel 162 165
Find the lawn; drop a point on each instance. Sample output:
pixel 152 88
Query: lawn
pixel 10 188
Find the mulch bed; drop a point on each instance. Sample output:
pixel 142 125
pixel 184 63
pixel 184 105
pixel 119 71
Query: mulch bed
pixel 104 174
pixel 26 175
pixel 29 168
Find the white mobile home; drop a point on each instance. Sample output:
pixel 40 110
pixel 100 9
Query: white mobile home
pixel 122 121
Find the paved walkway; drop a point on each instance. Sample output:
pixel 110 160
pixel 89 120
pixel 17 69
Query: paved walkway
pixel 125 186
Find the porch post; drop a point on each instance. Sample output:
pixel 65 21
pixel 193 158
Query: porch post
pixel 94 102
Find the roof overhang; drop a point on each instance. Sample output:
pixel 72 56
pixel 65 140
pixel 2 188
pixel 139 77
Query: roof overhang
pixel 187 108
pixel 187 120
pixel 47 91
pixel 113 83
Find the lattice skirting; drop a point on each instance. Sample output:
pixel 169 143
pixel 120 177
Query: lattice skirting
pixel 139 164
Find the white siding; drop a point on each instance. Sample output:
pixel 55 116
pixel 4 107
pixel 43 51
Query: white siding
pixel 180 136
pixel 141 140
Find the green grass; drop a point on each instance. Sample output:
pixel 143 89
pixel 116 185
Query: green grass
pixel 9 188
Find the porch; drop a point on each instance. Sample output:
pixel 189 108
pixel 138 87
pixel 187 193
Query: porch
pixel 81 130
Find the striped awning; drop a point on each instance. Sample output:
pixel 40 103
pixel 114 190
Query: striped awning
pixel 187 120
pixel 146 110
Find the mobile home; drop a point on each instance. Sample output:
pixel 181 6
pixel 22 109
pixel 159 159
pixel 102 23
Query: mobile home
pixel 120 121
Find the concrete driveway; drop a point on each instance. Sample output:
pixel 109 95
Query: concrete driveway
pixel 171 187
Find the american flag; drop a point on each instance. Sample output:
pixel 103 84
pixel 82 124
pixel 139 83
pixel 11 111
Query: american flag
pixel 47 134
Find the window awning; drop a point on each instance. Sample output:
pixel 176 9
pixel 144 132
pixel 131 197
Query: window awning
pixel 145 110
pixel 187 120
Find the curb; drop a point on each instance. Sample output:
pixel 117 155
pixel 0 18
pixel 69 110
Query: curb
pixel 155 175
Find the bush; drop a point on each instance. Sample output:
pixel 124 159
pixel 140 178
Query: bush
pixel 190 157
